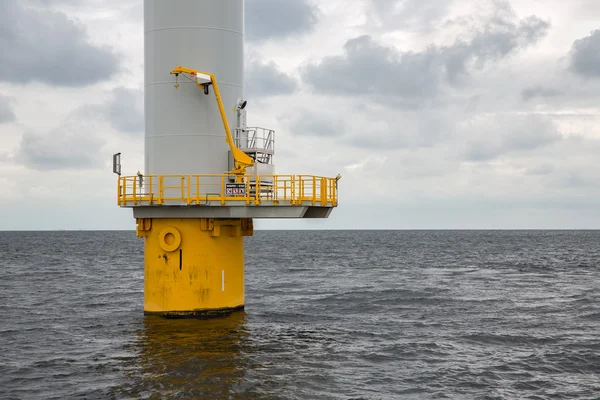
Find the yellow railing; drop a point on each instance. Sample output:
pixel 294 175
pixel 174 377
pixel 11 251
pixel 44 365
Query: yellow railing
pixel 223 190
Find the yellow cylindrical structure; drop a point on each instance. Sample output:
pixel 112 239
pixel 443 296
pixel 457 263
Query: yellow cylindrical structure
pixel 193 267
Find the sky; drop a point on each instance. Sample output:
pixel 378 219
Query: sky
pixel 438 114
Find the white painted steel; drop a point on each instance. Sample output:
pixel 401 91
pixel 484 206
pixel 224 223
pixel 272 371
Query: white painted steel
pixel 184 131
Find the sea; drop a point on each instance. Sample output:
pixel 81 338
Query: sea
pixel 329 315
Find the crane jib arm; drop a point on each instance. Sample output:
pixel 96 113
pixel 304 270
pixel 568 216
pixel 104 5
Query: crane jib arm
pixel 205 80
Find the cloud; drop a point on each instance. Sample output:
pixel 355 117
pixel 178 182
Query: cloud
pixel 415 15
pixel 46 46
pixel 585 56
pixel 499 37
pixel 316 124
pixel 274 19
pixel 6 112
pixel 94 3
pixel 9 190
pixel 370 68
pixel 75 144
pixel 125 110
pixel 78 142
pixel 490 136
pixel 539 91
pixel 132 9
pixel 380 130
pixel 266 79
pixel 412 78
pixel 450 134
pixel 540 170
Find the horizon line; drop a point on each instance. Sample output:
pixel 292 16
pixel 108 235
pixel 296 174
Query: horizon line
pixel 326 230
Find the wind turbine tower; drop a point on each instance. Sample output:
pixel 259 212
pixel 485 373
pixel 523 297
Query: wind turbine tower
pixel 207 175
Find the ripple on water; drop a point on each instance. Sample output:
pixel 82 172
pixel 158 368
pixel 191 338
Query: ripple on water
pixel 332 315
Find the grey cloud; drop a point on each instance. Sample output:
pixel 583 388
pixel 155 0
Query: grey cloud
pixel 6 112
pixel 401 130
pixel 58 151
pixel 500 37
pixel 265 79
pixel 374 128
pixel 268 19
pixel 315 124
pixel 130 8
pixel 411 78
pixel 73 145
pixel 45 46
pixel 76 143
pixel 370 68
pixel 586 10
pixel 126 110
pixel 416 15
pixel 585 56
pixel 540 170
pixel 52 3
pixel 490 137
pixel 539 91
pixel 474 138
pixel 576 180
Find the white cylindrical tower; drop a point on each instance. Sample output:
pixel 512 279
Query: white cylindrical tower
pixel 184 131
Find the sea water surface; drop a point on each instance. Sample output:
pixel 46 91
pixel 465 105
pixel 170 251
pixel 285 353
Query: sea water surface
pixel 329 315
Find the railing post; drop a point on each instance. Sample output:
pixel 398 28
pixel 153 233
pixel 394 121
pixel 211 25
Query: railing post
pixel 247 184
pixel 257 190
pixel 223 190
pixel 331 191
pixel 135 192
pixel 197 189
pixel 334 189
pixel 182 188
pixel 314 190
pixel 188 200
pixel 119 191
pixel 161 189
pixel 150 193
pixel 323 192
pixel 293 190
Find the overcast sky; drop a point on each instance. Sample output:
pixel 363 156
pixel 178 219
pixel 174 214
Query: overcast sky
pixel 438 113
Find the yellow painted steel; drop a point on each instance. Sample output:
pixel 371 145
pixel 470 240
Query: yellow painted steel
pixel 193 267
pixel 203 189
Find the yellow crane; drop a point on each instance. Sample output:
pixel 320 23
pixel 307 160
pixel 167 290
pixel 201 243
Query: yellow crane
pixel 204 80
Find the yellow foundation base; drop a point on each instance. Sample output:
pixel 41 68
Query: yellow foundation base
pixel 193 267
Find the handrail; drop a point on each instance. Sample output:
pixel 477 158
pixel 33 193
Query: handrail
pixel 257 138
pixel 205 189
